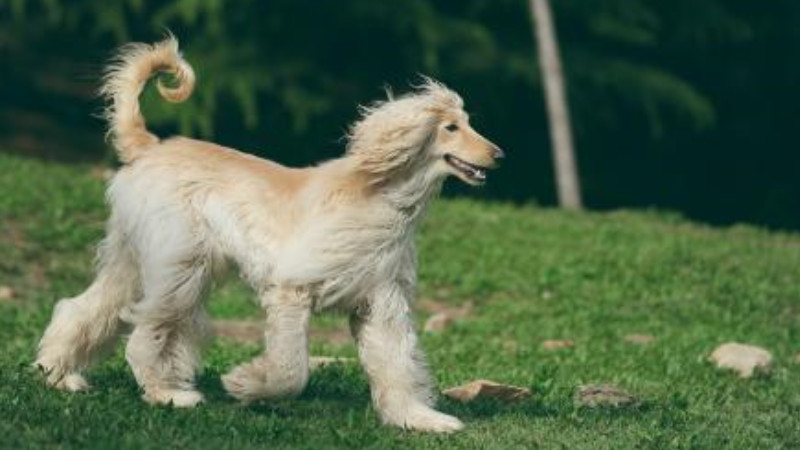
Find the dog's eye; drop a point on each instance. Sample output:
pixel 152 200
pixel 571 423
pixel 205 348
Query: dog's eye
pixel 451 127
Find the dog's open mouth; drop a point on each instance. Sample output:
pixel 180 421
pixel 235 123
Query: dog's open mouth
pixel 473 173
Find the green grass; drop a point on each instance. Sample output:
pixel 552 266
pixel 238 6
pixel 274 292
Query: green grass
pixel 532 274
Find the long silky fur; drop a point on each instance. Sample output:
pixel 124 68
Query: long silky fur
pixel 338 235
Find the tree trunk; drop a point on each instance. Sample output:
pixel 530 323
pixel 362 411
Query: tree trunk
pixel 567 181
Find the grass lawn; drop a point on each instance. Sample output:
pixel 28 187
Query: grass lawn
pixel 531 274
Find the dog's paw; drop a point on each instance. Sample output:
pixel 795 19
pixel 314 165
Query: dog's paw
pixel 242 382
pixel 69 382
pixel 72 382
pixel 186 399
pixel 260 379
pixel 177 398
pixel 423 418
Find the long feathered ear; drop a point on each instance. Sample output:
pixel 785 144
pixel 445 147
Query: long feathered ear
pixel 392 134
pixel 383 143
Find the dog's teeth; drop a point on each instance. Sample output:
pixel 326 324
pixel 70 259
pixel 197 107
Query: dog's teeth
pixel 468 169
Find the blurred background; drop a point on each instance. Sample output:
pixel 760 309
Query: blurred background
pixel 684 105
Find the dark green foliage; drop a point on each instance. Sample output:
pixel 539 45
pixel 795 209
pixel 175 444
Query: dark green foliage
pixel 682 104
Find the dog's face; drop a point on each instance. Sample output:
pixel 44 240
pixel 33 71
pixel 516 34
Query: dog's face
pixel 426 130
pixel 459 149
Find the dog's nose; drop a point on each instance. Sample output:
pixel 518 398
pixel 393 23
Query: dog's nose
pixel 498 153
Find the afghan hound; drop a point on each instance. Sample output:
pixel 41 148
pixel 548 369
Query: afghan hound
pixel 337 235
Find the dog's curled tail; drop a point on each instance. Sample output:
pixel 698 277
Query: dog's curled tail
pixel 124 81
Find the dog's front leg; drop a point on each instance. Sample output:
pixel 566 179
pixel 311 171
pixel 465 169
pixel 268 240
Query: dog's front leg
pixel 402 388
pixel 282 371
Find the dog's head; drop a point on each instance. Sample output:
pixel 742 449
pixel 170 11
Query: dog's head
pixel 425 131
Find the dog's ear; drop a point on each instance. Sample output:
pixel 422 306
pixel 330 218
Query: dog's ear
pixel 382 145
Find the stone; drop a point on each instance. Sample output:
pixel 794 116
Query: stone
pixel 744 359
pixel 598 395
pixel 478 389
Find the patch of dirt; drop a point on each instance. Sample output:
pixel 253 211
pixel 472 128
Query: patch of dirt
pixel 252 332
pixel 28 272
pixel 334 336
pixel 639 339
pixel 510 346
pixel 790 311
pixel 7 293
pixel 432 306
pixel 557 344
pixel 438 322
pixel 442 314
pixel 249 331
pixel 315 362
pixel 13 233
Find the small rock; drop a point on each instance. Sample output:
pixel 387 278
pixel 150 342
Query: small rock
pixel 595 395
pixel 742 358
pixel 315 362
pixel 487 389
pixel 555 344
pixel 797 358
pixel 639 339
pixel 6 293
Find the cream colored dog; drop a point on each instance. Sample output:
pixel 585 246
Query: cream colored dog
pixel 338 235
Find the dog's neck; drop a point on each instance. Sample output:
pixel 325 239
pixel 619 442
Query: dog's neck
pixel 410 195
pixel 408 190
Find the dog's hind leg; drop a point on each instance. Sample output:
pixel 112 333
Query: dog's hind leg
pixel 282 371
pixel 171 325
pixel 83 327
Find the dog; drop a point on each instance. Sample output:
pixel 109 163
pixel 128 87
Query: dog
pixel 339 235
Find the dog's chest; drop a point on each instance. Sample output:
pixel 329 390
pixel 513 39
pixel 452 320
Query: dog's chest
pixel 355 281
pixel 348 260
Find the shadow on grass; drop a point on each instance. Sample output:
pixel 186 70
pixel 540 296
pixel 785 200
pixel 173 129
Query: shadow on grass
pixel 341 394
pixel 344 389
pixel 330 390
pixel 485 408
